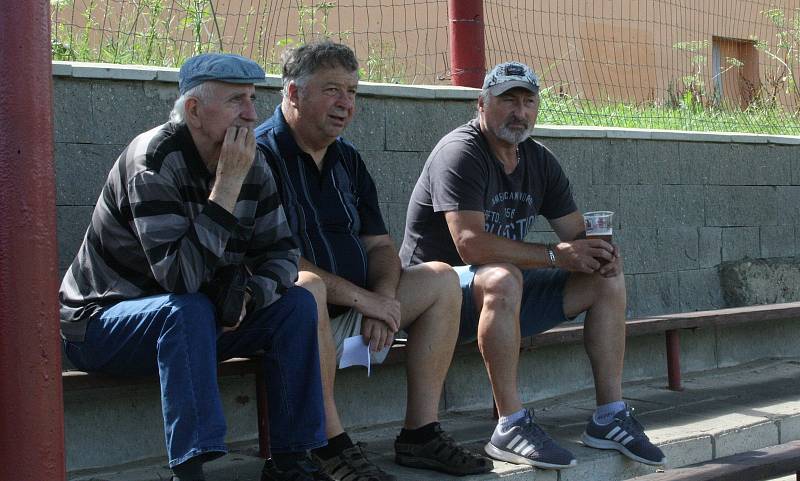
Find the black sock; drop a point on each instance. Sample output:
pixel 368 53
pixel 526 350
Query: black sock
pixel 335 446
pixel 420 435
pixel 285 461
pixel 191 470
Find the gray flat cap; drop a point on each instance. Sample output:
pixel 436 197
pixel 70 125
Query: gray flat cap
pixel 222 67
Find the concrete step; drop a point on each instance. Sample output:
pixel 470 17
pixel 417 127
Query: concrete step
pixel 720 412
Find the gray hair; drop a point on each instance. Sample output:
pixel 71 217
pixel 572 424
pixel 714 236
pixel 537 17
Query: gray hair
pixel 483 96
pixel 301 62
pixel 201 92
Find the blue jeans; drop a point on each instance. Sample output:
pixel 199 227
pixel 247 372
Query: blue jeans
pixel 176 337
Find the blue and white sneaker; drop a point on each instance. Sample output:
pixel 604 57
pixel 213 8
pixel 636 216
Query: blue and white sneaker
pixel 525 443
pixel 626 435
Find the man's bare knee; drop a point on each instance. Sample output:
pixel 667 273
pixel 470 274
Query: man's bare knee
pixel 440 268
pixel 498 286
pixel 607 289
pixel 446 278
pixel 585 291
pixel 314 284
pixel 498 291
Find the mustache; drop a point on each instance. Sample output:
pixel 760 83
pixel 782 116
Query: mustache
pixel 518 120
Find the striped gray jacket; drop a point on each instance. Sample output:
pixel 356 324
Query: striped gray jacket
pixel 153 231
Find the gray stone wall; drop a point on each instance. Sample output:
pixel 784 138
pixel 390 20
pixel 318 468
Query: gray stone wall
pixel 685 202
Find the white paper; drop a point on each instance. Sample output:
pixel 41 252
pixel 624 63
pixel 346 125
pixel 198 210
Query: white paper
pixel 355 352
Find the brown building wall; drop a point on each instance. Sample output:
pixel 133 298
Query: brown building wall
pixel 600 50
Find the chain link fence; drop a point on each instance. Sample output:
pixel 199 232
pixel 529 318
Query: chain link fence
pixel 720 65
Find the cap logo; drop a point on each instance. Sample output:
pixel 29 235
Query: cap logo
pixel 515 70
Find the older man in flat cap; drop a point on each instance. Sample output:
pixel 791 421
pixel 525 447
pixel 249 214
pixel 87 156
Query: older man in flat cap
pixel 188 261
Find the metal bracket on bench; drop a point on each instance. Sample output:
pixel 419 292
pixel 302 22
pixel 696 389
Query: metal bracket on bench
pixel 263 414
pixel 673 360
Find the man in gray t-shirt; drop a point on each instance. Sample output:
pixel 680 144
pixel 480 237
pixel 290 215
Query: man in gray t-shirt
pixel 462 174
pixel 478 195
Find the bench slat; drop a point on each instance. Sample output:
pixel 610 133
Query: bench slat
pixel 685 320
pixel 78 380
pixel 751 465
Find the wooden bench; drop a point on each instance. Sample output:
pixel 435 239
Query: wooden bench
pixel 75 380
pixel 755 465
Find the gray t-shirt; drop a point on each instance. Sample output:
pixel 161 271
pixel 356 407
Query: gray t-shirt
pixel 462 173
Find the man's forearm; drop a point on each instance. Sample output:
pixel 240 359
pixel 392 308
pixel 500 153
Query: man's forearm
pixel 340 291
pixel 384 270
pixel 225 194
pixel 486 248
pixel 235 159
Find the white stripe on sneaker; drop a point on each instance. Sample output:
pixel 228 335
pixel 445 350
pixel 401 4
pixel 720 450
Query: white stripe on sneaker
pixel 620 435
pixel 527 450
pixel 627 440
pixel 521 446
pixel 513 442
pixel 613 432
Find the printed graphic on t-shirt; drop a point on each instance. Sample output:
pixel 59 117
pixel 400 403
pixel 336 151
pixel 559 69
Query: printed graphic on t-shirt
pixel 510 215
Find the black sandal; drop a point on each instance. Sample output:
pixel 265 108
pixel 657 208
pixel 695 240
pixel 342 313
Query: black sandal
pixel 441 454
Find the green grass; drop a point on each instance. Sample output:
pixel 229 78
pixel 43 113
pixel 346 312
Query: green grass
pixel 557 111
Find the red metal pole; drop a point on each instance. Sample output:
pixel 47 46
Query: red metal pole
pixel 467 45
pixel 31 406
pixel 674 360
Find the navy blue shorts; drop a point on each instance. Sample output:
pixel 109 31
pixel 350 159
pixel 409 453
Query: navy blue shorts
pixel 542 301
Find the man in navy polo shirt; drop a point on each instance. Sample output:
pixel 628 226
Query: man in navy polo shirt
pixel 351 265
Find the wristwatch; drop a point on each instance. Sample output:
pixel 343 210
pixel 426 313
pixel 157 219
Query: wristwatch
pixel 551 254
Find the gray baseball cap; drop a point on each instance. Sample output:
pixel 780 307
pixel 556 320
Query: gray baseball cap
pixel 508 75
pixel 222 67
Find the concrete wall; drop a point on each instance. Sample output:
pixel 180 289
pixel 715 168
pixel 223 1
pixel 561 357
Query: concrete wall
pixel 685 202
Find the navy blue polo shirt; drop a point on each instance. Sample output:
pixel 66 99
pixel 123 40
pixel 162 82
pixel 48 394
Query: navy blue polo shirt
pixel 328 210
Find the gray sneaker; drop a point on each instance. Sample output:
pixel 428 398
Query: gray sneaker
pixel 525 443
pixel 626 435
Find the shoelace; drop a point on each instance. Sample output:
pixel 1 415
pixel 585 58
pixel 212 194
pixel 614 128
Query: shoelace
pixel 303 469
pixel 297 474
pixel 454 449
pixel 632 425
pixel 532 432
pixel 354 457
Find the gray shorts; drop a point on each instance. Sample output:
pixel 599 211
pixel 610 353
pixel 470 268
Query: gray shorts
pixel 542 301
pixel 349 325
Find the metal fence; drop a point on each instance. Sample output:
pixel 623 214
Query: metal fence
pixel 396 41
pixel 684 64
